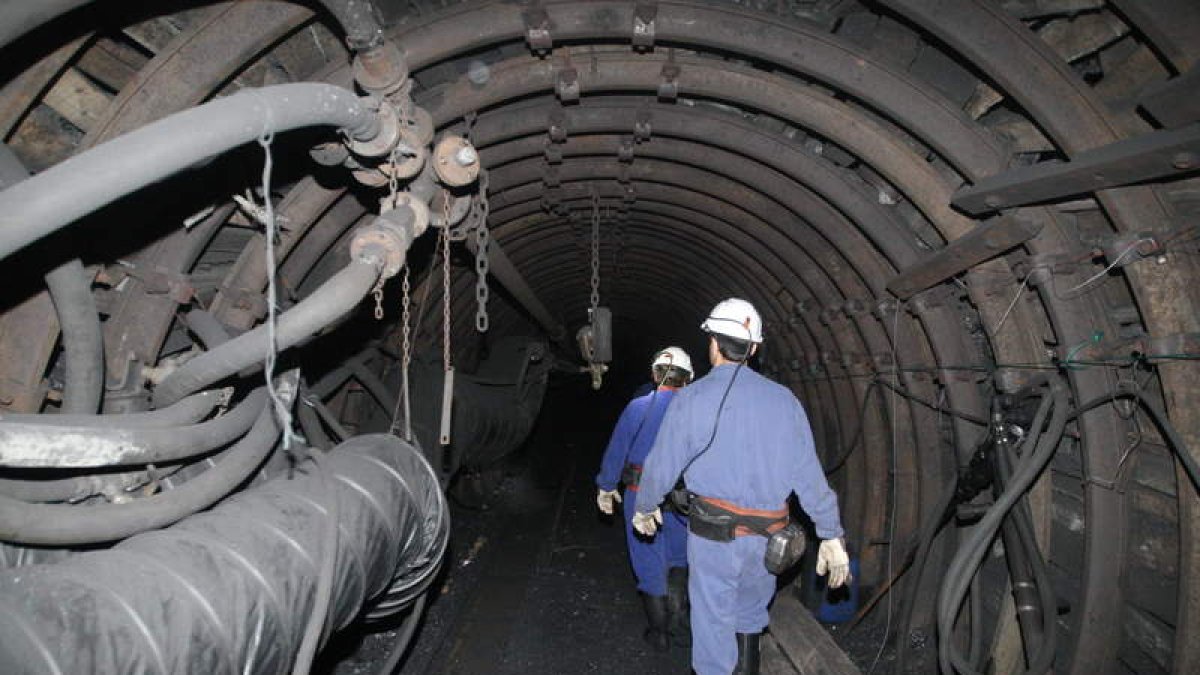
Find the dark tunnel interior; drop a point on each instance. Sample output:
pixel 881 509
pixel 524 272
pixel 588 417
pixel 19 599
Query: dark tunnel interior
pixel 256 249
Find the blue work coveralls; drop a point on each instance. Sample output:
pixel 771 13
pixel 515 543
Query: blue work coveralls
pixel 763 451
pixel 630 442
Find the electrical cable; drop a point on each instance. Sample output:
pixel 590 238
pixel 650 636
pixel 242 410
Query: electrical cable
pixel 404 637
pixel 892 413
pixel 1037 451
pixel 858 433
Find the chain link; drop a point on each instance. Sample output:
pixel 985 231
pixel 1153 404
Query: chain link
pixel 405 359
pixel 595 251
pixel 482 265
pixel 444 236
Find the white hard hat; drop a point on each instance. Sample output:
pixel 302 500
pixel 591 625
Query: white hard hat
pixel 673 356
pixel 735 318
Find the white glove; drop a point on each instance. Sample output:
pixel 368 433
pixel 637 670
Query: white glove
pixel 605 500
pixel 647 523
pixel 832 558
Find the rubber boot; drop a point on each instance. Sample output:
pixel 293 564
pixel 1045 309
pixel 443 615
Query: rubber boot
pixel 656 618
pixel 747 654
pixel 678 608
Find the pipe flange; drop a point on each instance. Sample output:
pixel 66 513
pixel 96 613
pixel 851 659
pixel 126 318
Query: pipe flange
pixel 420 124
pixel 412 155
pixel 389 236
pixel 456 161
pixel 370 177
pixel 460 205
pixel 382 143
pixel 406 200
pixel 380 71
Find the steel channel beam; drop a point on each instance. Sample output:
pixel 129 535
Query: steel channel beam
pixel 1170 26
pixel 1062 104
pixel 1151 156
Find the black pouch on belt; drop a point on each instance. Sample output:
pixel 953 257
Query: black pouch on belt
pixel 679 499
pixel 784 548
pixel 711 522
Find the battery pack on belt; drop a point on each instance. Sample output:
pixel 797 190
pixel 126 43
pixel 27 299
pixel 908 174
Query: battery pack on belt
pixel 631 475
pixel 719 520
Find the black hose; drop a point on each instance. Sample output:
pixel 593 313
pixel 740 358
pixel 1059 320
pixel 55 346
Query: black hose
pixel 403 637
pixel 207 328
pixel 970 554
pixel 357 18
pixel 858 433
pixel 64 525
pixel 933 524
pixel 186 411
pixel 1043 659
pixel 75 306
pixel 328 303
pixel 35 207
pixel 38 446
pixel 78 488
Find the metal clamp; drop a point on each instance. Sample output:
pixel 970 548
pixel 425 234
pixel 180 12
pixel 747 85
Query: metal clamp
pixel 642 128
pixel 566 84
pixel 644 14
pixel 668 84
pixel 625 149
pixel 556 126
pixel 537 30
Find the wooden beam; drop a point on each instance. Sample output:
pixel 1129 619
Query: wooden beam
pixel 983 243
pixel 803 642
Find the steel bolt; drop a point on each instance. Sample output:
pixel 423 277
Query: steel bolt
pixel 466 156
pixel 1184 161
pixel 993 201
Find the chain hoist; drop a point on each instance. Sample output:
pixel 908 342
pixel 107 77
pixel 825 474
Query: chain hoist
pixel 447 367
pixel 482 265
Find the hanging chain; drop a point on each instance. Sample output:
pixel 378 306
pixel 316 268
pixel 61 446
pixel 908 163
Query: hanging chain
pixel 482 265
pixel 595 251
pixel 393 194
pixel 405 359
pixel 445 282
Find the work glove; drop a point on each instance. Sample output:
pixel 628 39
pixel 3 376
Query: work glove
pixel 605 500
pixel 832 558
pixel 647 523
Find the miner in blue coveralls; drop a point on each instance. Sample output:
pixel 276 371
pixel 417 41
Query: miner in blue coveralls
pixel 743 445
pixel 659 563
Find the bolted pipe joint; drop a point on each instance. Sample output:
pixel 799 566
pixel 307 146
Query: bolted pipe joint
pixel 386 241
pixel 386 136
pixel 456 161
pixel 380 70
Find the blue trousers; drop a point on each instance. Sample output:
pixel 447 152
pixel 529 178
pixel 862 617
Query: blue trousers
pixel 730 590
pixel 651 558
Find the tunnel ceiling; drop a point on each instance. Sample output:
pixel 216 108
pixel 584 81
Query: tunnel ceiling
pixel 800 154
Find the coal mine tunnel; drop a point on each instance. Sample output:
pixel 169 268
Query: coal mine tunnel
pixel 318 317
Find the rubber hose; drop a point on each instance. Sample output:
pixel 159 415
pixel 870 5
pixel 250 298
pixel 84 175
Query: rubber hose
pixel 331 301
pixel 35 207
pixel 187 411
pixel 37 446
pixel 64 525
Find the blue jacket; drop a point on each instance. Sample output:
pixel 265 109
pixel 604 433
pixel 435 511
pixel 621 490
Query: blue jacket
pixel 763 449
pixel 628 445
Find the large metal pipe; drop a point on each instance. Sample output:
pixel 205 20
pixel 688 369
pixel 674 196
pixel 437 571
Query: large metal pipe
pixel 35 208
pixel 229 591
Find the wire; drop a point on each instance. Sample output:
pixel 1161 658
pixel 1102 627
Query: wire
pixel 282 411
pixel 974 419
pixel 404 637
pixel 887 629
pixel 1066 295
pixel 1004 317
